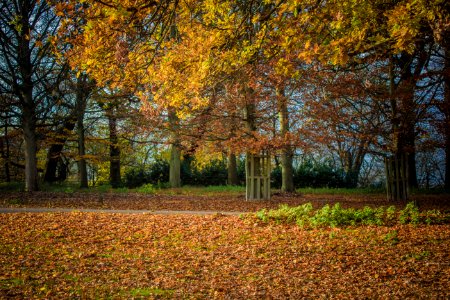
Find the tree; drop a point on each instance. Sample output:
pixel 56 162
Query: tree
pixel 346 33
pixel 83 89
pixel 29 72
pixel 179 58
pixel 232 173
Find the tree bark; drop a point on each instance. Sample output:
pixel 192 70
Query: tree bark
pixel 352 162
pixel 28 106
pixel 406 142
pixel 81 99
pixel 82 166
pixel 175 166
pixel 175 152
pixel 404 114
pixel 54 159
pixel 287 171
pixel 30 141
pixel 446 110
pixel 114 150
pixel 232 169
pixel 4 145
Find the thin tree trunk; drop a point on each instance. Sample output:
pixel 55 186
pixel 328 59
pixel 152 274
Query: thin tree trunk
pixel 54 152
pixel 5 154
pixel 287 171
pixel 447 154
pixel 446 111
pixel 232 169
pixel 114 151
pixel 412 171
pixel 53 160
pixel 353 163
pixel 82 166
pixel 349 163
pixel 175 152
pixel 81 98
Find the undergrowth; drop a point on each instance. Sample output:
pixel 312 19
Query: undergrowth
pixel 340 191
pixel 337 216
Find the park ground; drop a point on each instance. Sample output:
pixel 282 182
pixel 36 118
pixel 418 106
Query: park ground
pixel 95 255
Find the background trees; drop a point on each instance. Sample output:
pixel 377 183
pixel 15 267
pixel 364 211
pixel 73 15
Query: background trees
pixel 356 82
pixel 29 73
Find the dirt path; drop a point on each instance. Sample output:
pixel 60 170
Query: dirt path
pixel 113 211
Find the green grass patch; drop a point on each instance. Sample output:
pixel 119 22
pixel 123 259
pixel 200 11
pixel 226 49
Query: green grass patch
pixel 12 186
pixel 204 190
pixel 430 191
pixel 11 282
pixel 341 191
pixel 147 292
pixel 146 189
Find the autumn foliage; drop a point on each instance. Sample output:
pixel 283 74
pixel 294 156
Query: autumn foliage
pixel 91 255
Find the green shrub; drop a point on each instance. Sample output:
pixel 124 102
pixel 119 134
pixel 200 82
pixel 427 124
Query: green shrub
pixel 286 214
pixel 410 214
pixel 435 217
pixel 146 189
pixel 11 186
pixel 136 177
pixel 318 175
pixel 336 216
pixel 214 173
pixel 390 215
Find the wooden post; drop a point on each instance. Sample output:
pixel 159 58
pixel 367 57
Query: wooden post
pixel 257 169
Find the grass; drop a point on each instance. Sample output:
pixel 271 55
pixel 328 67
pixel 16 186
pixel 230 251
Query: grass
pixel 11 186
pixel 147 292
pixel 71 187
pixel 202 190
pixel 341 191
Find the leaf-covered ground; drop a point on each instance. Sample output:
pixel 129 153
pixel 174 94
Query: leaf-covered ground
pixel 94 255
pixel 211 202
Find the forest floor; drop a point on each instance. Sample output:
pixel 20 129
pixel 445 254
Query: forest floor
pixel 231 202
pixel 98 255
pixel 81 255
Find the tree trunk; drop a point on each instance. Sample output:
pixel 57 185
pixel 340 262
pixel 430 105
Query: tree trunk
pixel 446 111
pixel 352 162
pixel 54 159
pixel 29 136
pixel 411 67
pixel 412 171
pixel 232 169
pixel 287 171
pixel 175 152
pixel 404 114
pixel 447 151
pixel 82 166
pixel 114 151
pixel 81 99
pixel 175 166
pixel 28 106
pixel 4 145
